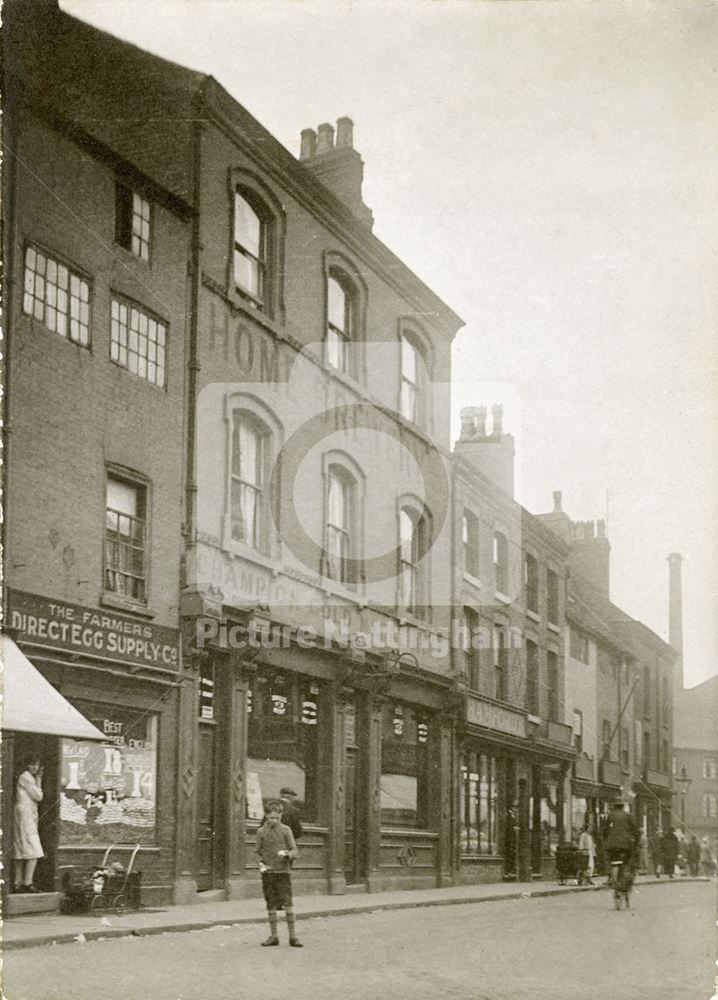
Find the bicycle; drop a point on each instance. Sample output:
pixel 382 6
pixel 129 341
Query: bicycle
pixel 621 878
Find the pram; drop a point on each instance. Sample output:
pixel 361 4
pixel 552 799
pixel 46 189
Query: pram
pixel 110 886
pixel 572 863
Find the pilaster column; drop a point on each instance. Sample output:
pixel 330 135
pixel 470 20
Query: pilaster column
pixel 187 772
pixel 237 688
pixel 373 729
pixel 333 768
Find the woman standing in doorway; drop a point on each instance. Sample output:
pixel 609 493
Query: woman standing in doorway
pixel 27 849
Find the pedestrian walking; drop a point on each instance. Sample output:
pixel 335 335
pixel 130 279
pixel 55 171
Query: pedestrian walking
pixel 27 848
pixel 693 854
pixel 669 847
pixel 275 849
pixel 656 851
pixel 707 860
pixel 585 843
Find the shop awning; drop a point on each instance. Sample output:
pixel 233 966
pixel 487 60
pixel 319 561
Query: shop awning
pixel 32 705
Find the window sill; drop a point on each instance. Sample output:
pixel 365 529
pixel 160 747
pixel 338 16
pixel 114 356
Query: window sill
pixel 554 628
pixel 535 719
pixel 110 600
pixel 473 580
pixel 533 615
pixel 502 597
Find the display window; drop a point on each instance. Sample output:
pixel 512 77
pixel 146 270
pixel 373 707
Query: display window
pixel 406 738
pixel 479 804
pixel 108 790
pixel 283 742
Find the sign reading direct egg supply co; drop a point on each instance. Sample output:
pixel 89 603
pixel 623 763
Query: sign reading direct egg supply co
pixel 103 635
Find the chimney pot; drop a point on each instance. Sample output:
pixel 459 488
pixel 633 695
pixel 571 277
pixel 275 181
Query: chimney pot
pixel 468 422
pixel 497 414
pixel 345 132
pixel 309 144
pixel 325 138
pixel 557 509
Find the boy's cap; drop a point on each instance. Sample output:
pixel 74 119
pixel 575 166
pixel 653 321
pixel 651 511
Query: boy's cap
pixel 288 791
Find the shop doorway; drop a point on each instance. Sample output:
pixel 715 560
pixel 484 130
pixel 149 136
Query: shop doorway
pixel 207 811
pixel 354 838
pixel 16 749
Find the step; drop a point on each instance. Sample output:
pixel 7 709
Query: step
pixel 32 902
pixel 211 896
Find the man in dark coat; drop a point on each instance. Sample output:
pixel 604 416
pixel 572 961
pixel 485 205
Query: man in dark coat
pixel 693 855
pixel 621 840
pixel 655 843
pixel 290 813
pixel 670 851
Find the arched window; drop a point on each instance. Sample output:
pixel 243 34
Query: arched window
pixel 340 530
pixel 341 322
pixel 251 238
pixel 248 480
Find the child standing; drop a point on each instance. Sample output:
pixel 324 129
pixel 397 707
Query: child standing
pixel 275 849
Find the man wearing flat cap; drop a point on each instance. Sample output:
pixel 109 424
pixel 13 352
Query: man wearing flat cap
pixel 290 813
pixel 621 840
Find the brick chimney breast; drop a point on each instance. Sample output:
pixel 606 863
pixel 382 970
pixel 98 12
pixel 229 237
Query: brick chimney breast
pixel 337 165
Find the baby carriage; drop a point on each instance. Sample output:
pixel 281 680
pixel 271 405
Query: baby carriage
pixel 572 863
pixel 110 886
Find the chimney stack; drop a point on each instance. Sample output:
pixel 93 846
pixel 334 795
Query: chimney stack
pixel 337 165
pixel 675 615
pixel 491 454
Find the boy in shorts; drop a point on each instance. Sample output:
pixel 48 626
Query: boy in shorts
pixel 275 850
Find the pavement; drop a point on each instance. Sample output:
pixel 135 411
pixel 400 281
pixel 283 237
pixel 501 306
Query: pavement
pixel 46 929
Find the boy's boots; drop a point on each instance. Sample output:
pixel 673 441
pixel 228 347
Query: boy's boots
pixel 272 940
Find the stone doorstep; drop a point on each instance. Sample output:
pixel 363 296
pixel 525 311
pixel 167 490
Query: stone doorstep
pixel 19 903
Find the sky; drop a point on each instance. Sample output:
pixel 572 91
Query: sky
pixel 548 168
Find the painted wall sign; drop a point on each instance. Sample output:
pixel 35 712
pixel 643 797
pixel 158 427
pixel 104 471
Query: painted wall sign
pixel 100 634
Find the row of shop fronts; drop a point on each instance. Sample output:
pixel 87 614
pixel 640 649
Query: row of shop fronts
pixel 403 780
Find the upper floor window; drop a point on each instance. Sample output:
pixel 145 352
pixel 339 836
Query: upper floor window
pixel 341 321
pixel 132 221
pixel 710 806
pixel 709 768
pixel 578 729
pixel 247 480
pixel 125 539
pixel 471 622
pixel 665 702
pixel 552 608
pixel 57 296
pixel 411 380
pixel 412 544
pixel 554 700
pixel 339 533
pixel 579 645
pixel 532 678
pixel 531 582
pixel 470 542
pixel 501 563
pixel 647 750
pixel 647 691
pixel 501 672
pixel 250 247
pixel 138 341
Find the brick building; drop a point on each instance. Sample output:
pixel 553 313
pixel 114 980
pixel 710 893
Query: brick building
pixel 96 252
pixel 515 750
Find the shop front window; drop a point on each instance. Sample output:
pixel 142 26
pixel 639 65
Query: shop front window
pixel 109 789
pixel 479 805
pixel 283 742
pixel 404 783
pixel 549 815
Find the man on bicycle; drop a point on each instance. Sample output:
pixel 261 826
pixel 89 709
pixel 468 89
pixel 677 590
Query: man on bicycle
pixel 621 840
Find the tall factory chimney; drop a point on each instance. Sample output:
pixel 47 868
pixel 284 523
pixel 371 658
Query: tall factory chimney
pixel 675 615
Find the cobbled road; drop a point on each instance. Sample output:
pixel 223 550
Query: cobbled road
pixel 560 948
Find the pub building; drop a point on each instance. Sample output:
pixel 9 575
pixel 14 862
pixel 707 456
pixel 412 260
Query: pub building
pixel 93 694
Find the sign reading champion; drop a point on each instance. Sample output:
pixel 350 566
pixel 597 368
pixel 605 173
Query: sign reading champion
pixel 102 634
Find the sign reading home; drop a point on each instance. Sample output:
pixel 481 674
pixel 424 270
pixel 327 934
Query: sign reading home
pixel 483 713
pixel 101 634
